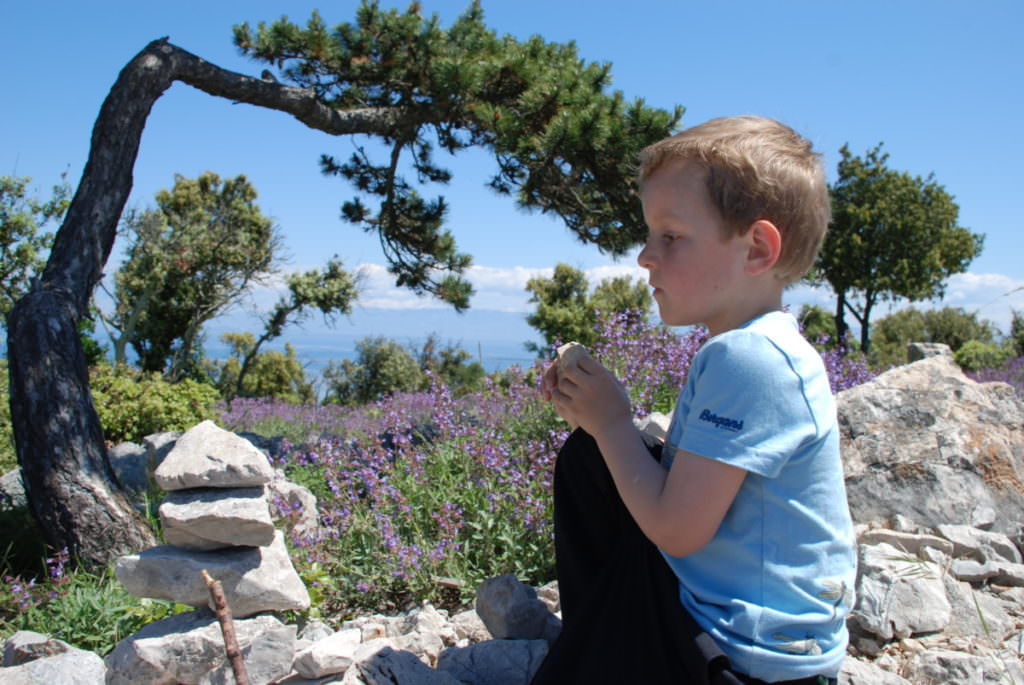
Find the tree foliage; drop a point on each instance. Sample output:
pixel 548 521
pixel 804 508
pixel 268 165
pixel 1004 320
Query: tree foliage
pixel 271 373
pixel 191 258
pixel 975 355
pixel 950 325
pixel 566 310
pixel 331 291
pixel 23 244
pixel 892 235
pixel 1016 339
pixel 818 326
pixel 382 367
pixel 562 143
pixel 451 363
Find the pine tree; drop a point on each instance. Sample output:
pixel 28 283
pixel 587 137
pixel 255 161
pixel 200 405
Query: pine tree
pixel 562 143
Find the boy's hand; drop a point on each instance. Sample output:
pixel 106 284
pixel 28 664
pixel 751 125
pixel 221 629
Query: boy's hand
pixel 589 396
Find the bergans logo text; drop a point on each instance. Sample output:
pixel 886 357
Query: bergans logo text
pixel 721 421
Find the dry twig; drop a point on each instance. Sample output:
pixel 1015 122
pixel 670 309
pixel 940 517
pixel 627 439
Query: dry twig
pixel 227 628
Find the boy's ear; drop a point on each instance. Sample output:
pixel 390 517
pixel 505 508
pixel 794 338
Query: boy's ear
pixel 765 246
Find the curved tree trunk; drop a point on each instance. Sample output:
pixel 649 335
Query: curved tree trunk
pixel 69 483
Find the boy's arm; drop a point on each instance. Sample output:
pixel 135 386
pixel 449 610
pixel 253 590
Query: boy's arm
pixel 679 510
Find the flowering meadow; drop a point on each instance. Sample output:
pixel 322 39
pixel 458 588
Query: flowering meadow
pixel 1012 372
pixel 424 495
pixel 420 495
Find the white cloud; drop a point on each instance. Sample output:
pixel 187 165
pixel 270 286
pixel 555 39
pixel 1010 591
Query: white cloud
pixel 497 288
pixel 991 295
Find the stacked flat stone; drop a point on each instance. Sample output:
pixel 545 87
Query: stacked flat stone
pixel 216 517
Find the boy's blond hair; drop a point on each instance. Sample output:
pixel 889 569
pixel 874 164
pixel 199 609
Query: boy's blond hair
pixel 757 168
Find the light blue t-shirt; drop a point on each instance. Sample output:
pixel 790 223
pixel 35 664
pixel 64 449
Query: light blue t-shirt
pixel 774 585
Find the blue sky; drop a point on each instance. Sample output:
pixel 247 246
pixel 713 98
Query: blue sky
pixel 938 82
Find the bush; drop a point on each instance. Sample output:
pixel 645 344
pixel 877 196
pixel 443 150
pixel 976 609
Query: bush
pixel 949 325
pixel 271 373
pixel 132 404
pixel 1012 372
pixel 975 355
pixel 382 367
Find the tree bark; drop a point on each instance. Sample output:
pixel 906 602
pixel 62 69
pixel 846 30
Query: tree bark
pixel 840 318
pixel 71 488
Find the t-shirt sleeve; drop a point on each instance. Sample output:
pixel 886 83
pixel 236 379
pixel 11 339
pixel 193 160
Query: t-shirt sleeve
pixel 748 406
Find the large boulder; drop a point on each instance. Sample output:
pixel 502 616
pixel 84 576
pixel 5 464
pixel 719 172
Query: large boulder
pixel 925 441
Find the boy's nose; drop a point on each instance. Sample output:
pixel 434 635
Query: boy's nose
pixel 644 258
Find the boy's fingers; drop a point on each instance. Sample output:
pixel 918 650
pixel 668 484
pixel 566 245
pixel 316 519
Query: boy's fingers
pixel 589 365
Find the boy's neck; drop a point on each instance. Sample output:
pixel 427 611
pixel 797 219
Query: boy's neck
pixel 764 296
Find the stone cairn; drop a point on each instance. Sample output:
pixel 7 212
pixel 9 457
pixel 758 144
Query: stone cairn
pixel 216 517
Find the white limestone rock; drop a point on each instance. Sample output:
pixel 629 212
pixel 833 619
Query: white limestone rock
pixel 254 579
pixel 924 441
pixel 469 626
pixel 27 645
pixel 957 668
pixel 304 518
pixel 329 655
pixel 70 667
pixel 911 543
pixel 978 544
pixel 976 613
pixel 189 648
pixel 211 518
pixel 857 672
pixel 207 456
pixel 899 596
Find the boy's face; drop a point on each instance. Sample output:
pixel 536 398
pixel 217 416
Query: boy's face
pixel 695 272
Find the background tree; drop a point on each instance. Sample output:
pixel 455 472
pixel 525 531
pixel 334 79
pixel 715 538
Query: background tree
pixel 190 259
pixel 270 373
pixel 950 325
pixel 818 326
pixel 562 144
pixel 23 245
pixel 566 309
pixel 892 235
pixel 451 363
pixel 382 367
pixel 331 291
pixel 1016 339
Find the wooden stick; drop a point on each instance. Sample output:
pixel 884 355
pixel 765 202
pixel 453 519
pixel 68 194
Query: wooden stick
pixel 227 628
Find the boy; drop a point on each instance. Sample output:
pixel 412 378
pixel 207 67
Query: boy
pixel 729 557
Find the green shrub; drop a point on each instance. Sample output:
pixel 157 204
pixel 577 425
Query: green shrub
pixel 132 404
pixel 272 373
pixel 950 325
pixel 382 367
pixel 975 355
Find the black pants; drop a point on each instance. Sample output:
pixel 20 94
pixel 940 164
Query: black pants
pixel 622 620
